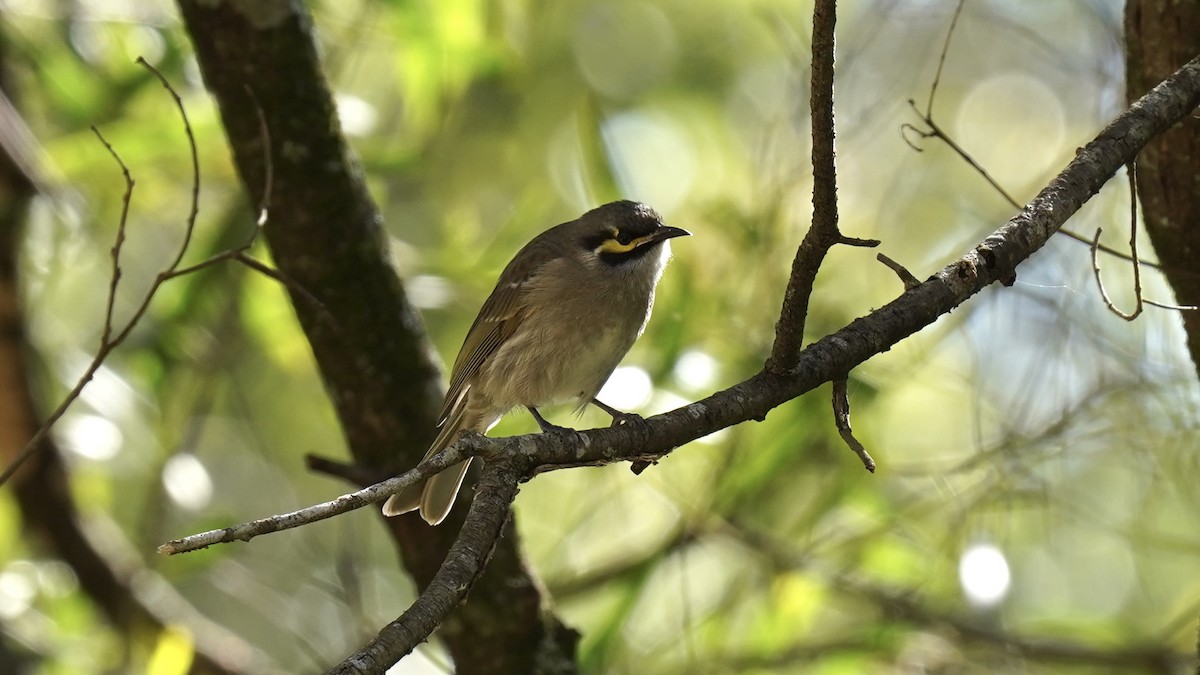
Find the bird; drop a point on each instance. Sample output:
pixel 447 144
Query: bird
pixel 563 314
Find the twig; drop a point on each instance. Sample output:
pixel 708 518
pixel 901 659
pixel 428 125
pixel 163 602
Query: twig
pixel 910 282
pixel 1133 255
pixel 195 156
pixel 1100 282
pixel 264 132
pixel 115 278
pixel 108 340
pixel 841 417
pixel 459 451
pixel 937 76
pixel 354 474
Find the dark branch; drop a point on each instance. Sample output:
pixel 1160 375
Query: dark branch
pixel 823 233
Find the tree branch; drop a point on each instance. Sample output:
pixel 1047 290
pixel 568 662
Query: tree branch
pixel 823 234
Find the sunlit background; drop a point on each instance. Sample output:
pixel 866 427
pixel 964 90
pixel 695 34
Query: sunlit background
pixel 1035 492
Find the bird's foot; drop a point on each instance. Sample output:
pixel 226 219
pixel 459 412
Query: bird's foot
pixel 618 417
pixel 544 425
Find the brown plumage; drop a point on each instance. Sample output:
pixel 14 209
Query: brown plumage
pixel 563 314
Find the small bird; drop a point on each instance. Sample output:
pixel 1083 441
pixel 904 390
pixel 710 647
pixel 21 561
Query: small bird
pixel 563 314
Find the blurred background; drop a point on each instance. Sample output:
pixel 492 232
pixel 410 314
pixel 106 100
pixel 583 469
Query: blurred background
pixel 1034 510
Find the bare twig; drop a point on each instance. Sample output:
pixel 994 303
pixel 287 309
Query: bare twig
pixel 264 132
pixel 115 277
pixel 910 282
pixel 937 76
pixel 463 449
pixel 195 157
pixel 1133 256
pixel 354 474
pixel 841 417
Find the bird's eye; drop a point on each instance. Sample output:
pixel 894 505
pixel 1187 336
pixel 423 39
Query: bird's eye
pixel 623 238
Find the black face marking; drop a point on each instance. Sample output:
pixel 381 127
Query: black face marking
pixel 593 242
pixel 624 237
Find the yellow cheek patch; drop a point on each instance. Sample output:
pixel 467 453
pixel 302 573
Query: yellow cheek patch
pixel 614 246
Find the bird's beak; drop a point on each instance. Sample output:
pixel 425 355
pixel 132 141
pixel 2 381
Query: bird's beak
pixel 665 232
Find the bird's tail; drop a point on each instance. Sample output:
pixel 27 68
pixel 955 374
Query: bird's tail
pixel 435 496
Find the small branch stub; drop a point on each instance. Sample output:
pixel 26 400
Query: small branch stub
pixel 910 282
pixel 841 417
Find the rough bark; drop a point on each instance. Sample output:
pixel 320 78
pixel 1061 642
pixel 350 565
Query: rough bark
pixel 327 235
pixel 1160 36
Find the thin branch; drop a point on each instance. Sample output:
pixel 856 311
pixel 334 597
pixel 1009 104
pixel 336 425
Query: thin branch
pixel 936 132
pixel 194 211
pixel 1133 255
pixel 110 341
pixel 115 277
pixel 264 132
pixel 458 452
pixel 351 473
pixel 937 76
pixel 841 417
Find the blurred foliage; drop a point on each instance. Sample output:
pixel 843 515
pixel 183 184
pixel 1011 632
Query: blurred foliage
pixel 1031 423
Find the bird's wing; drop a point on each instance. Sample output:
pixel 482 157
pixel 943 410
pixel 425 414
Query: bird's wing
pixel 498 319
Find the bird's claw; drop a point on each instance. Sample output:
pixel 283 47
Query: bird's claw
pixel 620 418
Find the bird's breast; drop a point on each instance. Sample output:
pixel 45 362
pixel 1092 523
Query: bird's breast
pixel 569 343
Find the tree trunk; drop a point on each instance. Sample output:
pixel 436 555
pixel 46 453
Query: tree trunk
pixel 1160 36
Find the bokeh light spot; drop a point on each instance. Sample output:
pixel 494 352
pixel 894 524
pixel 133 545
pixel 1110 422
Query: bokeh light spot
pixel 628 388
pixel 92 437
pixel 983 573
pixel 187 482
